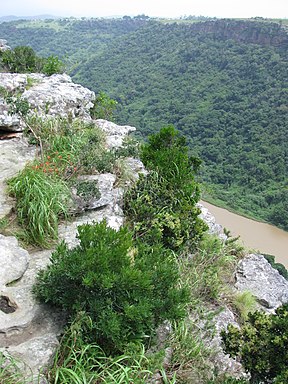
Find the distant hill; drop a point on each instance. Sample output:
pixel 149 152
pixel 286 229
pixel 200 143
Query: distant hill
pixel 37 17
pixel 222 83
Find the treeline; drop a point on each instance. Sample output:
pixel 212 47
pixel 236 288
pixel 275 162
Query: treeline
pixel 228 97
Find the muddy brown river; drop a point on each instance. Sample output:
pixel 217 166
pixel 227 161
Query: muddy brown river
pixel 256 236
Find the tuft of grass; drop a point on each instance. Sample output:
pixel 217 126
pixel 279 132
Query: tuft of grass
pixel 189 355
pixel 9 370
pixel 41 200
pixel 243 303
pixel 77 362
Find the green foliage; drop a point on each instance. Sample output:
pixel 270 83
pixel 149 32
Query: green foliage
pixel 21 59
pixel 162 205
pixel 189 355
pixel 52 65
pixel 244 303
pixel 261 345
pixel 41 200
pixel 103 107
pixel 126 290
pixel 17 104
pixel 207 269
pixel 10 372
pixel 77 363
pixel 280 267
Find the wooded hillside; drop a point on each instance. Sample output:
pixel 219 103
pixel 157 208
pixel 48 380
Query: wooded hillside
pixel 223 83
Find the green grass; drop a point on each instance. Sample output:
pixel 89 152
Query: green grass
pixel 76 362
pixel 9 370
pixel 41 200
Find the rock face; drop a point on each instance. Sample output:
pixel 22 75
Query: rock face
pixel 115 133
pixel 57 95
pixel 30 331
pixel 256 275
pixel 214 228
pixel 3 46
pixel 54 95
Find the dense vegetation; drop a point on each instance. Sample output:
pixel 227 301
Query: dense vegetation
pixel 221 83
pixel 261 345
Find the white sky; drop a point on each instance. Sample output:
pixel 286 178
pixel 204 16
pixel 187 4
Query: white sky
pixel 162 8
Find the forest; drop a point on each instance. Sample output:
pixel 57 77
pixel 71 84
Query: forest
pixel 222 83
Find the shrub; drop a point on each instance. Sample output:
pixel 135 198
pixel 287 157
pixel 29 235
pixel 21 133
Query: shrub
pixel 162 205
pixel 261 345
pixel 52 65
pixel 103 107
pixel 21 59
pixel 126 291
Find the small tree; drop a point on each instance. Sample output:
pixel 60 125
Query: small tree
pixel 104 107
pixel 126 289
pixel 262 345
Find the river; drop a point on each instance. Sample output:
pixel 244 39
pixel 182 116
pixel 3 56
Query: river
pixel 257 236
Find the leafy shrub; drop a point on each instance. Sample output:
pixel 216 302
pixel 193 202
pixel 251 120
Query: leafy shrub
pixel 41 200
pixel 103 107
pixel 280 267
pixel 261 345
pixel 126 291
pixel 21 59
pixel 52 65
pixel 162 205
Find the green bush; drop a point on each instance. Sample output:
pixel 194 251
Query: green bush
pixel 126 290
pixel 280 267
pixel 103 107
pixel 261 345
pixel 162 205
pixel 52 65
pixel 20 59
pixel 23 59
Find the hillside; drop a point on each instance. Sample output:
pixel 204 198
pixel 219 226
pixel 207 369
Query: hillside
pixel 223 83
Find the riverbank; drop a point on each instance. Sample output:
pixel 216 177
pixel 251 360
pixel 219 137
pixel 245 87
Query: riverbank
pixel 255 235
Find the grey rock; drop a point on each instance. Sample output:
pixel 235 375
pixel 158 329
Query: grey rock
pixel 48 96
pixel 256 275
pixel 222 362
pixel 14 260
pixel 57 95
pixel 114 133
pixel 3 45
pixel 209 219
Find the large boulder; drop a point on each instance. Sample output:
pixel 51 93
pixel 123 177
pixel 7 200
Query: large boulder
pixel 256 275
pixel 3 45
pixel 57 95
pixel 115 133
pixel 47 96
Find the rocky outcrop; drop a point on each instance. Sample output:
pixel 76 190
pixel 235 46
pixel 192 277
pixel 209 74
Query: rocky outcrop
pixel 256 275
pixel 3 45
pixel 47 96
pixel 30 331
pixel 246 31
pixel 57 95
pixel 115 133
pixel 214 228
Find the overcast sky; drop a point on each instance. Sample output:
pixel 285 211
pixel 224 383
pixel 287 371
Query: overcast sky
pixel 164 8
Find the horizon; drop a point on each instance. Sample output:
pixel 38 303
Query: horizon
pixel 278 9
